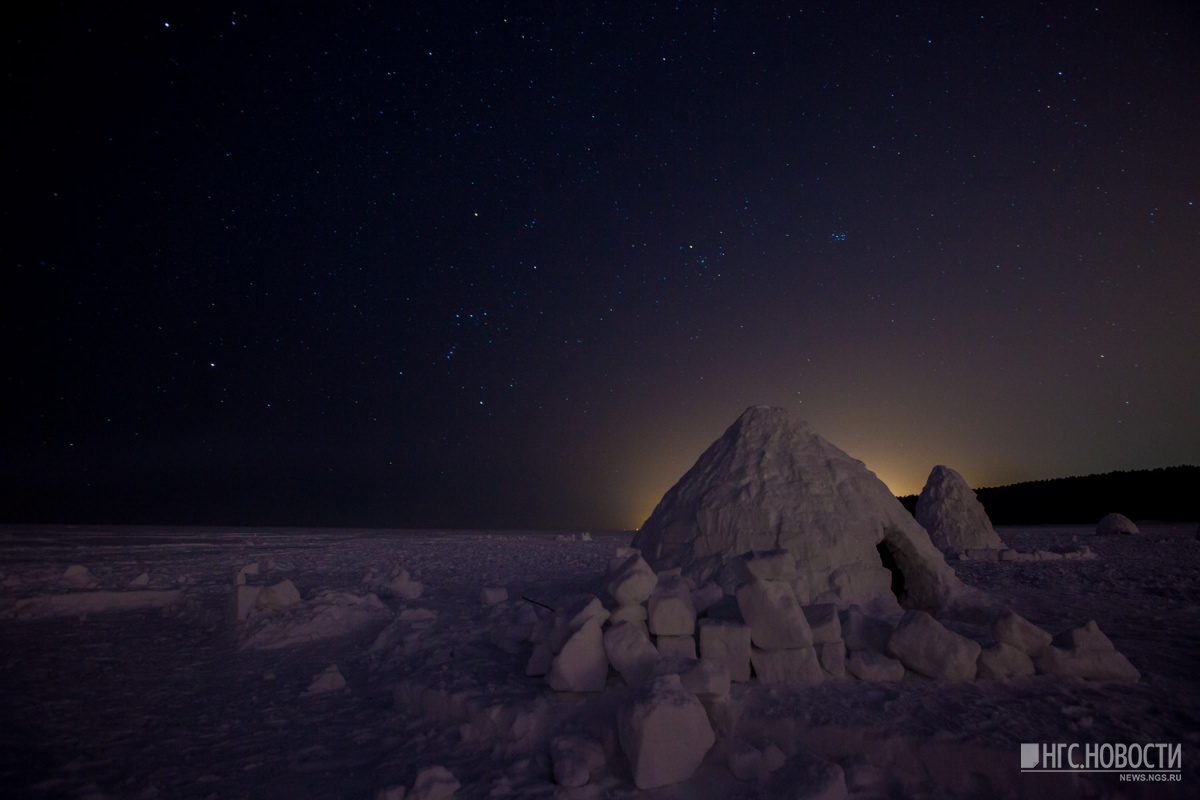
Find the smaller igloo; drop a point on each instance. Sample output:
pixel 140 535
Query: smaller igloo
pixel 1116 523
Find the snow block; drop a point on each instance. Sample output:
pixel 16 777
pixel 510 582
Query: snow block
pixel 869 665
pixel 403 586
pixel 853 580
pixel 707 679
pixel 1076 552
pixel 728 642
pixel 492 595
pixel 744 759
pixel 329 680
pixel 797 665
pixel 664 732
pixel 629 650
pixel 773 757
pixel 78 576
pixel 683 646
pixel 253 601
pixel 629 614
pixel 722 715
pixel 1085 652
pixel 582 608
pixel 576 760
pixel 806 777
pixel 824 622
pixel 1014 630
pixel 773 614
pixel 999 661
pixel 706 596
pixel 676 572
pixel 769 565
pixel 832 657
pixel 277 597
pixel 242 603
pixel 434 783
pixel 581 665
pixel 800 585
pixel 619 557
pixel 863 632
pixel 1085 637
pixel 249 569
pixel 670 610
pixel 631 581
pixel 929 648
pixel 748 763
pixel 569 616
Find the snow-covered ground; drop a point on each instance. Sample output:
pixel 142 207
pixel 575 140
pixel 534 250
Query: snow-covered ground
pixel 161 699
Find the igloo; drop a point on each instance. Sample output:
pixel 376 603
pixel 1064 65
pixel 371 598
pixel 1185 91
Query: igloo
pixel 1112 524
pixel 769 483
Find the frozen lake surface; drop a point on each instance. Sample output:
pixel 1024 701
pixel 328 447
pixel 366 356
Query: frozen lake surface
pixel 161 702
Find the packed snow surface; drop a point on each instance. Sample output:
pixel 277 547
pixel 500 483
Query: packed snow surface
pixel 352 689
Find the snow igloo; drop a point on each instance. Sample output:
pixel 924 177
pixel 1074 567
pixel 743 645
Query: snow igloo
pixel 771 483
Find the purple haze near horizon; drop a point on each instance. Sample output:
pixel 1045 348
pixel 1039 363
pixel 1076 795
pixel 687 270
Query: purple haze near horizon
pixel 488 265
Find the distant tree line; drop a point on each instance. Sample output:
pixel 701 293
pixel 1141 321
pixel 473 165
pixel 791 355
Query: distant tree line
pixel 1168 494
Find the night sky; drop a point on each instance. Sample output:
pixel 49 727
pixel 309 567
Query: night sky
pixel 515 265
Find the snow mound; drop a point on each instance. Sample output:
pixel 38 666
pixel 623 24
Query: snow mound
pixel 807 777
pixel 325 616
pixel 1085 652
pixel 256 601
pixel 492 594
pixel 1116 523
pixel 577 759
pixel 434 783
pixel 403 586
pixel 769 483
pixel 77 603
pixel 949 510
pixel 328 680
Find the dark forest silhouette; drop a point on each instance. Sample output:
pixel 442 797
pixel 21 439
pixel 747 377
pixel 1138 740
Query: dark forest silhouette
pixel 1168 494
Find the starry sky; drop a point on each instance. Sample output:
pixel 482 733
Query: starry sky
pixel 515 265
